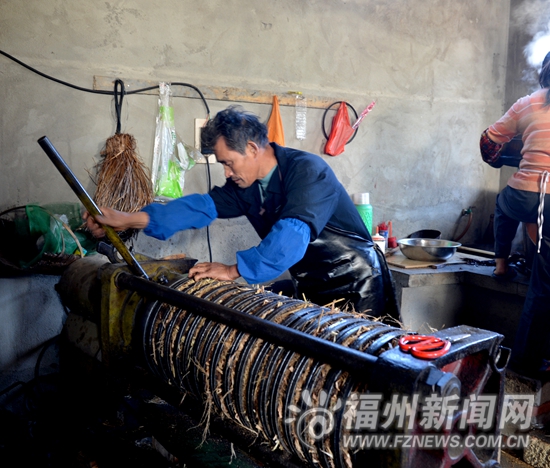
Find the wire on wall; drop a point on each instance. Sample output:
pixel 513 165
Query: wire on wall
pixel 100 91
pixel 119 92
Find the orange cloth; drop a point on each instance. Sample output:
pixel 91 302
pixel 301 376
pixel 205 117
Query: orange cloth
pixel 275 132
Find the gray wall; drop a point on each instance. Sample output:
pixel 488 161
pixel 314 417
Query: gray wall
pixel 437 69
pixel 529 22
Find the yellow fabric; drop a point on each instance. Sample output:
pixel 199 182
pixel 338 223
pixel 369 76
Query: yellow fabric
pixel 275 131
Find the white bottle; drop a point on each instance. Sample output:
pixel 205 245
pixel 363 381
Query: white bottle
pixel 380 241
pixel 301 116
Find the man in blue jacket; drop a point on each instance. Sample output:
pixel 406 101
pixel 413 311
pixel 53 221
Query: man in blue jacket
pixel 305 218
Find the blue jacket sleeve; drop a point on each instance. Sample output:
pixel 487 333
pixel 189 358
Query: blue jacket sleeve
pixel 189 212
pixel 285 245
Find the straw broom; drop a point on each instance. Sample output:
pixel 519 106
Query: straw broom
pixel 123 180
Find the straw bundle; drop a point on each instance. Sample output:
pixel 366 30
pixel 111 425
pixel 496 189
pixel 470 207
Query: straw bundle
pixel 123 181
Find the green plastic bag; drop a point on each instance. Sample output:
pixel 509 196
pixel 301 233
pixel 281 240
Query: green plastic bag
pixel 54 226
pixel 171 156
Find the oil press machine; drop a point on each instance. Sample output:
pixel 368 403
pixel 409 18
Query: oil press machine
pixel 281 374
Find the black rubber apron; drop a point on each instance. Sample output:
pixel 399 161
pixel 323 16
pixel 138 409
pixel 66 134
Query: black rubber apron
pixel 342 265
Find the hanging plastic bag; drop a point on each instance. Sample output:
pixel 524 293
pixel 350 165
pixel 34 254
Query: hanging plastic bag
pixel 172 157
pixel 275 131
pixel 341 132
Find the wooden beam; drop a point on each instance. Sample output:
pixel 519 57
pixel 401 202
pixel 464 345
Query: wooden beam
pixel 216 93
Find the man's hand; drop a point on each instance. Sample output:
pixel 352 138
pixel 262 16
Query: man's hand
pixel 217 271
pixel 118 220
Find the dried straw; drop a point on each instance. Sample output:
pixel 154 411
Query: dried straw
pixel 123 181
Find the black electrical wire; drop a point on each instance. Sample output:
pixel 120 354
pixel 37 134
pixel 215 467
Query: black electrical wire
pixel 119 97
pixel 34 70
pixel 100 91
pixel 470 213
pixel 118 94
pixel 209 181
pixel 26 385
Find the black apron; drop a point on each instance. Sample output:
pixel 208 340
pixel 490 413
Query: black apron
pixel 342 265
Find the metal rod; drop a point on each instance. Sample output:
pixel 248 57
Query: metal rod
pixel 338 356
pixel 89 204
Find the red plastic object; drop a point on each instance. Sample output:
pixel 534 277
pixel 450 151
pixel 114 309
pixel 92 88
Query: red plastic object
pixel 424 346
pixel 340 132
pixel 383 226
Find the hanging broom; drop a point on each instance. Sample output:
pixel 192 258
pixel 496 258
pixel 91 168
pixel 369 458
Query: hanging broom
pixel 123 180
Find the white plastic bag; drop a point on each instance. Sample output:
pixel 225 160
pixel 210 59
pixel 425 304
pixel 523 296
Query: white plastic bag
pixel 172 157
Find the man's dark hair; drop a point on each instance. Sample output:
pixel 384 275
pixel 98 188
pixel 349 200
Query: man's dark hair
pixel 237 127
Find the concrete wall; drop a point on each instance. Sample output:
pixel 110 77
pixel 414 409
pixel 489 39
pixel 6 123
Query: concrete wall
pixel 437 69
pixel 529 25
pixel 32 316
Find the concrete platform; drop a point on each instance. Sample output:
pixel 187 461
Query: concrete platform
pixel 459 294
pixel 462 294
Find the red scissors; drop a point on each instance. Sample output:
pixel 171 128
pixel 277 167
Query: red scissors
pixel 428 346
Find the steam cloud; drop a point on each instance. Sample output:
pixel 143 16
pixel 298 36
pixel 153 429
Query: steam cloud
pixel 537 49
pixel 533 17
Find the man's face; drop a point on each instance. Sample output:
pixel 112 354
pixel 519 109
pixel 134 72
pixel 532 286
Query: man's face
pixel 241 168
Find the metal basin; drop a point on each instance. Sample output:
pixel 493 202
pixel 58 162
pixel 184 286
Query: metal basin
pixel 428 249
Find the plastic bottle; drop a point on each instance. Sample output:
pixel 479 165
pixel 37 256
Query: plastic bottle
pixel 383 230
pixel 380 241
pixel 392 240
pixel 362 203
pixel 301 116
